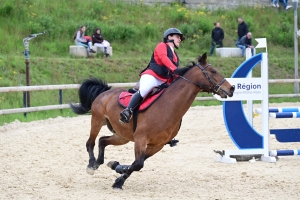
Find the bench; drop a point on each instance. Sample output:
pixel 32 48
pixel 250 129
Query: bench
pixel 233 52
pixel 229 52
pixel 81 51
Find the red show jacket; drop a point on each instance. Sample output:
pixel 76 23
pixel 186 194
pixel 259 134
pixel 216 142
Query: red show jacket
pixel 161 58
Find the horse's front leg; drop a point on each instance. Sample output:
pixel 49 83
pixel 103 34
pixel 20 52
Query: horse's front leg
pixel 105 141
pixel 126 170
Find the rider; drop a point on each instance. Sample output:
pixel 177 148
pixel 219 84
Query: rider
pixel 164 63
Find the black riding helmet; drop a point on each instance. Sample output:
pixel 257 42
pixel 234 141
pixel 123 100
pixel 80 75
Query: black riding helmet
pixel 172 31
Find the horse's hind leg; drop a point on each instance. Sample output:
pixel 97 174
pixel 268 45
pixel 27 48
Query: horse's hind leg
pixel 96 123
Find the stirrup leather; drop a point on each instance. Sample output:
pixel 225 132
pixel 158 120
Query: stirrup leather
pixel 125 115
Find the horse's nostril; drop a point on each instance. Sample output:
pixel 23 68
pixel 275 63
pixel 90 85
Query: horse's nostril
pixel 232 89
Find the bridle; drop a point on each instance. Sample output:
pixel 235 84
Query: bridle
pixel 216 87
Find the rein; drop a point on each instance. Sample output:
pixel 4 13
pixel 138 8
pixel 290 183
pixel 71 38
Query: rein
pixel 216 87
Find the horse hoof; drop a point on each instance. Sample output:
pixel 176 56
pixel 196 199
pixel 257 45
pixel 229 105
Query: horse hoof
pixel 119 183
pixel 90 171
pixel 113 164
pixel 116 188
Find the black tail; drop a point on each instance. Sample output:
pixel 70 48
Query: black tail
pixel 88 92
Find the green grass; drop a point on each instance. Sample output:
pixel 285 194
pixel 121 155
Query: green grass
pixel 133 40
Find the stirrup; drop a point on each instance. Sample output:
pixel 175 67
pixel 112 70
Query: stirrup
pixel 124 118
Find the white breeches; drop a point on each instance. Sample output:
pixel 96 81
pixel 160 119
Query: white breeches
pixel 103 44
pixel 147 82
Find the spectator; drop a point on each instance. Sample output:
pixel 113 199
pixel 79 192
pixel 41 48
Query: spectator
pixel 275 3
pixel 98 41
pixel 81 41
pixel 217 35
pixel 242 28
pixel 285 4
pixel 246 42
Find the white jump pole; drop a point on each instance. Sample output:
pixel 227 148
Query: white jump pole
pixel 249 102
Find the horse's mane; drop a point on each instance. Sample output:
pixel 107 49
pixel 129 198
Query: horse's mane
pixel 192 64
pixel 189 66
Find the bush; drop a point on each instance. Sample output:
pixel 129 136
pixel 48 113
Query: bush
pixel 177 15
pixel 251 24
pixel 6 10
pixel 188 30
pixel 121 32
pixel 280 35
pixel 204 25
pixel 45 23
pixel 150 31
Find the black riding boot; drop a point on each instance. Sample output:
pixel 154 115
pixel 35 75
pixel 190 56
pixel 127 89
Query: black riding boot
pixel 126 114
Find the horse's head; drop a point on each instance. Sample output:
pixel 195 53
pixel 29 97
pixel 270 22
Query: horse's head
pixel 213 81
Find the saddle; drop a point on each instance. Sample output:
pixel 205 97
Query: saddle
pixel 154 94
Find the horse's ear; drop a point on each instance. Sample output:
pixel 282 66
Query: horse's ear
pixel 199 58
pixel 204 57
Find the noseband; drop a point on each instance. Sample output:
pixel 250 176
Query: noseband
pixel 216 87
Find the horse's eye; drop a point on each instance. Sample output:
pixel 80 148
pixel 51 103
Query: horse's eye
pixel 213 71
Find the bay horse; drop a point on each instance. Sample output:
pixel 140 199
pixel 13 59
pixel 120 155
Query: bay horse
pixel 156 126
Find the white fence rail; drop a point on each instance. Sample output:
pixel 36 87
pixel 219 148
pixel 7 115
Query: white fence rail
pixel 33 109
pixel 76 86
pixel 55 87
